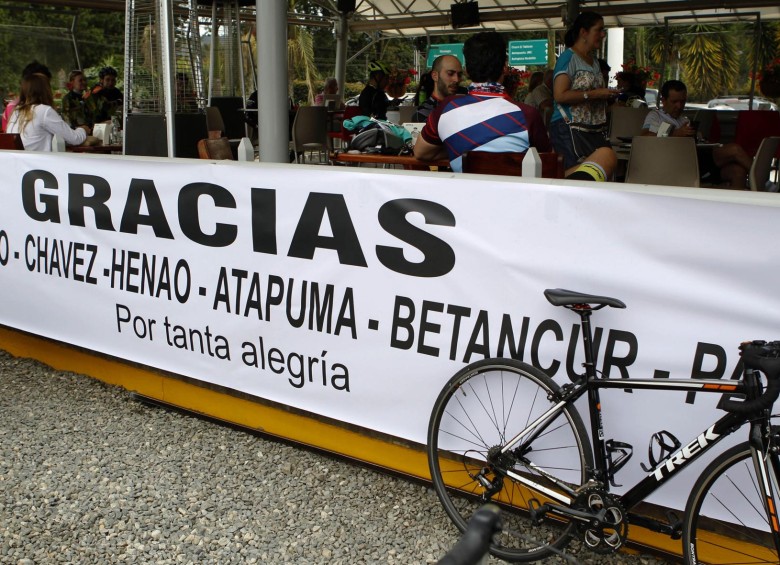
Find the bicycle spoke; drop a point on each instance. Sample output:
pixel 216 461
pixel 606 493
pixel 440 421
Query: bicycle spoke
pixel 761 513
pixel 483 407
pixel 472 430
pixel 512 404
pixel 487 412
pixel 726 522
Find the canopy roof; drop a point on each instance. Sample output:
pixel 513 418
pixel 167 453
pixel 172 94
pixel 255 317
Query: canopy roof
pixel 422 17
pixel 432 17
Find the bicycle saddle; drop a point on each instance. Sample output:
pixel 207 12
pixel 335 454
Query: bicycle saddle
pixel 562 297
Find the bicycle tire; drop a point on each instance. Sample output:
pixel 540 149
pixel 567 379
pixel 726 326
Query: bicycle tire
pixel 468 419
pixel 725 521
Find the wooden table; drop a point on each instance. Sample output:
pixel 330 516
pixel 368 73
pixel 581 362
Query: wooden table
pixel 407 161
pixel 99 149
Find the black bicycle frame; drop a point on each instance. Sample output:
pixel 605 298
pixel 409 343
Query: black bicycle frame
pixel 669 466
pixel 674 463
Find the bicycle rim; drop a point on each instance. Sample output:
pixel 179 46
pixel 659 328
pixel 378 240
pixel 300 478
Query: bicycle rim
pixel 725 520
pixel 483 406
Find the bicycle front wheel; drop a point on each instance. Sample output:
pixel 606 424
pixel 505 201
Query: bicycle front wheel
pixel 480 409
pixel 725 518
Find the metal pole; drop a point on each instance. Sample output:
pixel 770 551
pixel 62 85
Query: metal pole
pixel 74 21
pixel 240 54
pixel 273 109
pixel 129 13
pixel 667 53
pixel 757 37
pixel 342 38
pixel 240 57
pixel 212 49
pixel 231 35
pixel 615 43
pixel 168 68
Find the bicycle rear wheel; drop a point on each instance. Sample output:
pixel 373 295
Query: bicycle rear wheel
pixel 725 517
pixel 481 408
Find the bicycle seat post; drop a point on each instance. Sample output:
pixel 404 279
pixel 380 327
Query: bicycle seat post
pixel 583 304
pixel 587 340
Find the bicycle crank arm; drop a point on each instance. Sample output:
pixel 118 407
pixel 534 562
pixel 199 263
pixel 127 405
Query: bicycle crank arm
pixel 538 513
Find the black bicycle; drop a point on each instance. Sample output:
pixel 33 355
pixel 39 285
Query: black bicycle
pixel 503 431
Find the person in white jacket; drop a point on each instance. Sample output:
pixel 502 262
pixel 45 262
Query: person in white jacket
pixel 37 121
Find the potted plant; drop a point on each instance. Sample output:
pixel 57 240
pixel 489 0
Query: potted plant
pixel 514 80
pixel 644 76
pixel 398 80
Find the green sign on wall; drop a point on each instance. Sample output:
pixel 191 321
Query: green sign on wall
pixel 528 52
pixel 455 49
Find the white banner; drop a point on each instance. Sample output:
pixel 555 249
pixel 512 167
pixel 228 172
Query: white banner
pixel 356 295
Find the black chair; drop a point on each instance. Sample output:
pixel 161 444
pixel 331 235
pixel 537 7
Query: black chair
pixel 231 108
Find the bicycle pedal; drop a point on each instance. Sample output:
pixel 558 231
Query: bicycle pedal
pixel 536 511
pixel 675 525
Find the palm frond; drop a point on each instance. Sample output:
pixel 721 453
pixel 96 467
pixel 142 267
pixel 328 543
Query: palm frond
pixel 769 46
pixel 708 59
pixel 300 56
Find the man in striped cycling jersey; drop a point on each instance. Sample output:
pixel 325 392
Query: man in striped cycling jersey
pixel 485 119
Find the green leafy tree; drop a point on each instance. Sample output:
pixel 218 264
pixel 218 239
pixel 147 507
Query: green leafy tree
pixel 301 60
pixel 311 54
pixel 34 32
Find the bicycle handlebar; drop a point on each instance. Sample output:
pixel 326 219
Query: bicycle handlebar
pixel 475 541
pixel 765 357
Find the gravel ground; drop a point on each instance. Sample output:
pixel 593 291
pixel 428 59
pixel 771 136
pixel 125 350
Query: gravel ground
pixel 90 475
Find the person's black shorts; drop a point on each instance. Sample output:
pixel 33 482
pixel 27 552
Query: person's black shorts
pixel 708 171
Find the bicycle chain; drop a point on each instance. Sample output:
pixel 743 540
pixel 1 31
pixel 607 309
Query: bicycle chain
pixel 558 552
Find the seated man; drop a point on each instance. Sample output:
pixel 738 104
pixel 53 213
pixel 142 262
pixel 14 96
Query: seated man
pixel 485 119
pixel 727 165
pixel 446 73
pixel 106 96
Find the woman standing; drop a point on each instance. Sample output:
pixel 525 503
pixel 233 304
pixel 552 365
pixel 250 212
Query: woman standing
pixel 579 119
pixel 36 120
